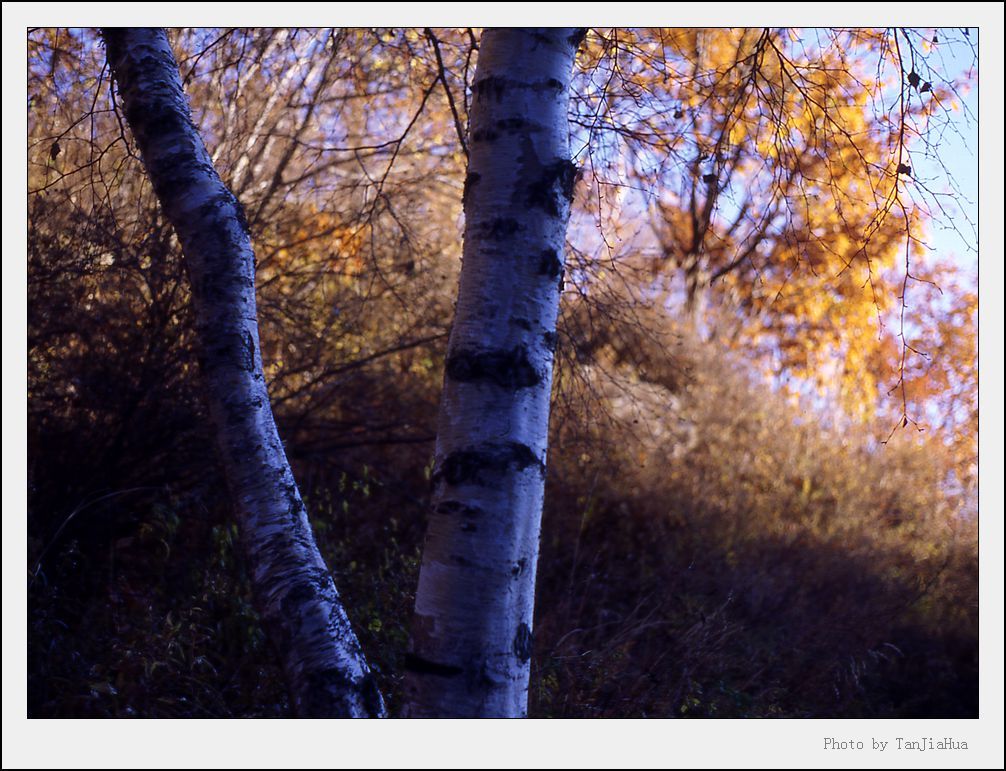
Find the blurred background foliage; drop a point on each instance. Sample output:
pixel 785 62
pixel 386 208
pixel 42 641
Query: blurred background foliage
pixel 731 527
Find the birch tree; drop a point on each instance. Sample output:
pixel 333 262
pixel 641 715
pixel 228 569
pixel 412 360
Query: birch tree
pixel 324 665
pixel 472 630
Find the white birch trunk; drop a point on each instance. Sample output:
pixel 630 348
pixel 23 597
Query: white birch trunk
pixel 296 597
pixel 471 638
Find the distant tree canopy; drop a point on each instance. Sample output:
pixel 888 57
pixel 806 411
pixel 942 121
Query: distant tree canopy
pixel 777 172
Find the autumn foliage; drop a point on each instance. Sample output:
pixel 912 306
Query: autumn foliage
pixel 762 480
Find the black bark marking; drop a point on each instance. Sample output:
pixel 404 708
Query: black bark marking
pixel 518 567
pixel 566 173
pixel 510 124
pixel 295 509
pixel 541 38
pixel 522 643
pixel 300 594
pixel 550 339
pixel 371 694
pixel 484 464
pixel 502 227
pixel 323 686
pixel 577 37
pixel 516 124
pixel 522 323
pixel 493 86
pixel 248 352
pixel 471 180
pixel 310 584
pixel 230 349
pixel 467 513
pixel 496 87
pixel 211 209
pixel 457 507
pixel 555 183
pixel 484 135
pixel 418 664
pixel 113 37
pixel 508 369
pixel 549 264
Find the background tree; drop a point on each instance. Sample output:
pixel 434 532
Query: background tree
pixel 296 596
pixel 471 643
pixel 776 169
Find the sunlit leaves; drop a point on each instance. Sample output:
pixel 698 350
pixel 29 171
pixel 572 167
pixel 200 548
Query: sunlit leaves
pixel 776 167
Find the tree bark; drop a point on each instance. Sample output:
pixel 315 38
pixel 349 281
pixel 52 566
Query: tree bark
pixel 471 639
pixel 295 594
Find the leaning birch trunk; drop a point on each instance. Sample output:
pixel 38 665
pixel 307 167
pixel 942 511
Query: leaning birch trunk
pixel 471 637
pixel 303 616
